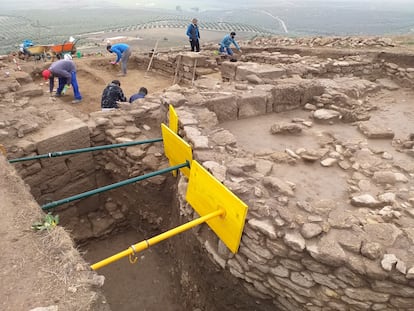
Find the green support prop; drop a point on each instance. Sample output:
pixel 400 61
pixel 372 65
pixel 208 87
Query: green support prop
pixel 74 151
pixel 113 186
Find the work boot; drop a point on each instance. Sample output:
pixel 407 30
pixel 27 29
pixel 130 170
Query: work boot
pixel 76 101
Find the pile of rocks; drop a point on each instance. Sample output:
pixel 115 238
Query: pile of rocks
pixel 339 42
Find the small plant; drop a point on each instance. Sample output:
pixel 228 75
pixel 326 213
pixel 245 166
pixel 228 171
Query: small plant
pixel 47 223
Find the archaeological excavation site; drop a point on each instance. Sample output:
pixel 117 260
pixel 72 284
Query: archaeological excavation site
pixel 314 136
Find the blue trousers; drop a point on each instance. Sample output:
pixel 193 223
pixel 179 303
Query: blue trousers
pixel 228 50
pixel 62 82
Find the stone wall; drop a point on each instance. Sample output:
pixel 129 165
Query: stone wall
pixel 302 256
pixel 51 179
pixel 183 66
pixel 268 66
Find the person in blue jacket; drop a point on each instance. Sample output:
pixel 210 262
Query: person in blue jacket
pixel 194 35
pixel 226 42
pixel 123 52
pixel 141 94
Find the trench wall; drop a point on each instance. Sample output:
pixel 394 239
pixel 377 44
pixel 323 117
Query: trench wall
pixel 278 260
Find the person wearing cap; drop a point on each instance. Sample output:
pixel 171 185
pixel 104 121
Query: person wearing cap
pixel 194 35
pixel 65 71
pixel 142 92
pixel 226 42
pixel 123 52
pixel 111 95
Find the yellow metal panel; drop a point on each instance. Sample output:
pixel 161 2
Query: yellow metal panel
pixel 176 149
pixel 206 194
pixel 173 120
pixel 173 126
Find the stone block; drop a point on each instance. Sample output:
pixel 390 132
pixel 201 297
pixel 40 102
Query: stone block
pixel 228 70
pixel 327 251
pixel 251 104
pixel 189 59
pixel 393 289
pixel 302 278
pixel 375 131
pixel 365 294
pixel 22 77
pixel 262 71
pixel 402 303
pixel 286 97
pixel 69 133
pixel 349 277
pixel 76 187
pixel 264 226
pixel 224 106
pixel 30 90
pixel 295 241
pixel 223 138
pixel 257 248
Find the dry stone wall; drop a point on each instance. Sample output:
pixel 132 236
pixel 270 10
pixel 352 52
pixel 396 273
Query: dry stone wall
pixel 304 255
pixel 267 66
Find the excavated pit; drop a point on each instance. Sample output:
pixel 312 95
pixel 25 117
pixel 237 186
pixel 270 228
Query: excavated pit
pixel 319 149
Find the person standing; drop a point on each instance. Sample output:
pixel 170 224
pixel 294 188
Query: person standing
pixel 226 42
pixel 194 35
pixel 111 95
pixel 123 52
pixel 65 71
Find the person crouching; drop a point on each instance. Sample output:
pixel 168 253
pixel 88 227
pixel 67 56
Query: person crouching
pixel 65 71
pixel 141 94
pixel 111 95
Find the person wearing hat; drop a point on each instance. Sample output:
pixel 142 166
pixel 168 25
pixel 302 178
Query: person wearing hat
pixel 226 42
pixel 111 95
pixel 194 35
pixel 123 52
pixel 65 71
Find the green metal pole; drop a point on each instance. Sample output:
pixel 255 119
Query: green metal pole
pixel 113 186
pixel 74 151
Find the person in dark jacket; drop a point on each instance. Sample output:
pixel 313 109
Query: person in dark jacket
pixel 111 95
pixel 65 71
pixel 123 52
pixel 141 94
pixel 194 35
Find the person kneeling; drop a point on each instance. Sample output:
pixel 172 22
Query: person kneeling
pixel 141 94
pixel 111 95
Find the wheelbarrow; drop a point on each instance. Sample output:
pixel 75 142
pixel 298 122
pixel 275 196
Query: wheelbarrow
pixel 38 51
pixel 67 47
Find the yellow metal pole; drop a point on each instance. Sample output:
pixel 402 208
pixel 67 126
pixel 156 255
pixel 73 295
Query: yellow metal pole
pixel 154 240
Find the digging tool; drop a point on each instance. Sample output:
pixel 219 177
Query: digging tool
pixel 177 68
pixel 152 57
pixel 194 71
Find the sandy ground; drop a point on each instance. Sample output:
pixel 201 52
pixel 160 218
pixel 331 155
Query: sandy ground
pixel 93 79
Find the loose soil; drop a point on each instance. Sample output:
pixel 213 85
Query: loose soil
pixel 146 285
